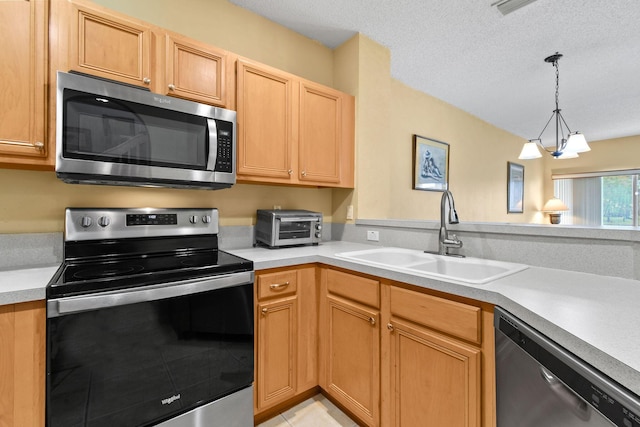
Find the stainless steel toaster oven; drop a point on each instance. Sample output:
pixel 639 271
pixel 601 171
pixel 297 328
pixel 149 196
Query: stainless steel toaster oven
pixel 277 228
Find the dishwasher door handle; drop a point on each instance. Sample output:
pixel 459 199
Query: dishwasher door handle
pixel 570 398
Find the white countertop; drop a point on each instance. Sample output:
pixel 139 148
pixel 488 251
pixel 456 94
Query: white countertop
pixel 24 284
pixel 595 317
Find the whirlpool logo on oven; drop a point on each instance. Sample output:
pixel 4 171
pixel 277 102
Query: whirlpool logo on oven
pixel 170 400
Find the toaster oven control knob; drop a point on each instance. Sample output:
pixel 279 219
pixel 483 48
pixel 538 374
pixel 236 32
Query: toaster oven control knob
pixel 193 219
pixel 318 234
pixel 206 219
pixel 104 221
pixel 86 222
pixel 318 226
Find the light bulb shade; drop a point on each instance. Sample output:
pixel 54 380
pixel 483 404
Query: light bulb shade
pixel 554 205
pixel 530 151
pixel 577 143
pixel 566 154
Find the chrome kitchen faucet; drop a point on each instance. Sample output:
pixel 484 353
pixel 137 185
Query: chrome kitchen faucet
pixel 446 241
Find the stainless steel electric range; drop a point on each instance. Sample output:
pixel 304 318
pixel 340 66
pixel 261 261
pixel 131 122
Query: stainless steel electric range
pixel 149 323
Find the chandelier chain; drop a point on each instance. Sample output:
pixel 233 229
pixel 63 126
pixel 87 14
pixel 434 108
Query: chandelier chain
pixel 555 64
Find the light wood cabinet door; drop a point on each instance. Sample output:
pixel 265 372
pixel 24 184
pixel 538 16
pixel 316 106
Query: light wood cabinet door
pixel 320 137
pixel 23 82
pixel 265 123
pixel 352 357
pixel 110 45
pixel 22 364
pixel 292 131
pixel 435 380
pixel 276 360
pixel 194 71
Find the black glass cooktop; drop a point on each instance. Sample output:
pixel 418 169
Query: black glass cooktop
pixel 79 277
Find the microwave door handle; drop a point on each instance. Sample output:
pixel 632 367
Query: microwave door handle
pixel 299 219
pixel 213 144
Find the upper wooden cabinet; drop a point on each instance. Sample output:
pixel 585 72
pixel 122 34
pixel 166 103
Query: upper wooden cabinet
pixel 265 101
pixel 194 70
pixel 110 45
pixel 292 131
pixel 320 133
pixel 23 84
pixel 117 47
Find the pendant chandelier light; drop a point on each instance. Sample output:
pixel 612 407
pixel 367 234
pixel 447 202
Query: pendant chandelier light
pixel 568 144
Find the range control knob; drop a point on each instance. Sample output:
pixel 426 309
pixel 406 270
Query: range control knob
pixel 86 222
pixel 206 219
pixel 104 221
pixel 193 219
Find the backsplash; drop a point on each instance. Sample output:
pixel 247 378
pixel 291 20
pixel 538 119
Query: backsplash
pixel 606 252
pixel 30 250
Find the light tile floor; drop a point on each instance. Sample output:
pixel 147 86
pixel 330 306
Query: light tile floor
pixel 315 412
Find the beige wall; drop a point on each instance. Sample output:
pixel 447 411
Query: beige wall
pixel 35 201
pixel 388 115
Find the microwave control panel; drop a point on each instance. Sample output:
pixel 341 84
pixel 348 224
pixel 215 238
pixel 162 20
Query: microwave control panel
pixel 224 158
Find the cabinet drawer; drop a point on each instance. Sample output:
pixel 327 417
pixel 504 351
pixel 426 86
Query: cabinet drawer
pixel 356 288
pixel 277 284
pixel 454 318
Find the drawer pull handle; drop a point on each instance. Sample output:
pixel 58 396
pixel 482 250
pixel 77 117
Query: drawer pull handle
pixel 277 286
pixel 390 327
pixel 264 311
pixel 372 320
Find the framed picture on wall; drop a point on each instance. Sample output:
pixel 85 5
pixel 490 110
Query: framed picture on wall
pixel 515 188
pixel 430 164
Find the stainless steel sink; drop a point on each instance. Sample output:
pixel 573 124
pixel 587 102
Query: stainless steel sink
pixel 468 270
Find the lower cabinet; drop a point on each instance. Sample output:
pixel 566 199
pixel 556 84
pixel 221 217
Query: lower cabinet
pixel 390 354
pixel 435 380
pixel 350 343
pixel 286 348
pixel 22 364
pixel 439 363
pixel 277 351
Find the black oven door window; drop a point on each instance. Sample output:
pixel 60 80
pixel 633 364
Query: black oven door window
pixel 294 230
pixel 139 364
pixel 102 128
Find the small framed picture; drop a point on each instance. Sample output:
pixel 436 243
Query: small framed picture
pixel 515 188
pixel 430 164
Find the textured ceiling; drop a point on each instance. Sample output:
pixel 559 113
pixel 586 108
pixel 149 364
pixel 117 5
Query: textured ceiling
pixel 468 54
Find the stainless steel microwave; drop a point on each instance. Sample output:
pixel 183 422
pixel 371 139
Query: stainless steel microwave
pixel 117 134
pixel 277 228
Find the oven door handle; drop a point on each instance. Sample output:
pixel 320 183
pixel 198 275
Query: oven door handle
pixel 299 219
pixel 77 304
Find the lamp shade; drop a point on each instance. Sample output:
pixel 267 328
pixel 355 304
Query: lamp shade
pixel 566 154
pixel 577 143
pixel 530 151
pixel 554 205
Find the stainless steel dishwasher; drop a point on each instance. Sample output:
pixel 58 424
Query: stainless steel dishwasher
pixel 540 384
